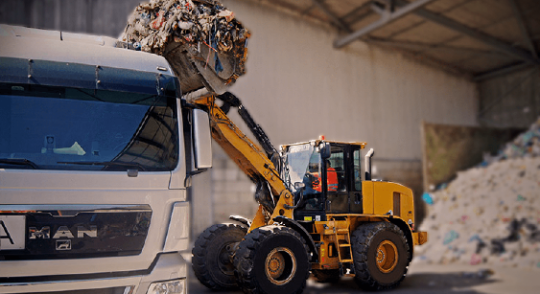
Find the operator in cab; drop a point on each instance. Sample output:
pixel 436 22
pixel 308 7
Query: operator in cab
pixel 313 178
pixel 331 179
pixel 313 189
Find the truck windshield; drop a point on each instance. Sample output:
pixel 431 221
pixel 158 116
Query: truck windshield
pixel 43 127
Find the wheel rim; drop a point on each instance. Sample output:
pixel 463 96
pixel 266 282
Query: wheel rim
pixel 387 256
pixel 224 259
pixel 280 266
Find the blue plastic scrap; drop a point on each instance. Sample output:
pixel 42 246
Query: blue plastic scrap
pixel 475 237
pixel 427 198
pixel 450 236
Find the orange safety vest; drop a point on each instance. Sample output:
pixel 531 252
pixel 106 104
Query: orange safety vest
pixel 331 181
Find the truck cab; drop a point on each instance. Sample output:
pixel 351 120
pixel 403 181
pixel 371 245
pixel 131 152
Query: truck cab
pixel 96 153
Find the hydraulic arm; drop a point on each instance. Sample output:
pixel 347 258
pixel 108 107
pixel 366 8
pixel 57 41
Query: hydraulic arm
pixel 274 198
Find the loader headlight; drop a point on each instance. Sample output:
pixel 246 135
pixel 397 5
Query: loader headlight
pixel 168 287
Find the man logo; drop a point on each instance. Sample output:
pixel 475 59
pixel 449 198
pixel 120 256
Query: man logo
pixel 62 232
pixel 64 244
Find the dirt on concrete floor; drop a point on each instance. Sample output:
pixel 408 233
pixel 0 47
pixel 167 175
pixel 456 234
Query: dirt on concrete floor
pixel 440 279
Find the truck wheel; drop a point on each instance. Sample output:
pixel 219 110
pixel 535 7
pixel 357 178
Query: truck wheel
pixel 272 259
pixel 326 276
pixel 212 256
pixel 380 254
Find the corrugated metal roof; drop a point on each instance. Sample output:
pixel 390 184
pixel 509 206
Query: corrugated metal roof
pixel 477 38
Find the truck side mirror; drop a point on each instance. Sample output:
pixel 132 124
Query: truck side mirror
pixel 325 150
pixel 202 140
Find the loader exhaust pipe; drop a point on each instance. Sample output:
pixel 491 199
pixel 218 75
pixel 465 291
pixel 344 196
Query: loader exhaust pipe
pixel 368 164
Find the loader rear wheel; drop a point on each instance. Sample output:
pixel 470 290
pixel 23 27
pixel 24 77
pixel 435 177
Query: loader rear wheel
pixel 272 259
pixel 326 276
pixel 212 256
pixel 380 254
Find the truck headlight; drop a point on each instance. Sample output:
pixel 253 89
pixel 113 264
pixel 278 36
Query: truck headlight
pixel 168 287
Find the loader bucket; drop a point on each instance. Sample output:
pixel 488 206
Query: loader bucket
pixel 195 71
pixel 202 41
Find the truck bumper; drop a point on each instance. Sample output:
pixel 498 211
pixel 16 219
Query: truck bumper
pixel 167 267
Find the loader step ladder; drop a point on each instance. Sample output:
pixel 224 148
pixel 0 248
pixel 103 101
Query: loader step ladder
pixel 344 249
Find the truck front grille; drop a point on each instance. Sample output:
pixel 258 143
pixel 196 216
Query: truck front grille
pixel 115 290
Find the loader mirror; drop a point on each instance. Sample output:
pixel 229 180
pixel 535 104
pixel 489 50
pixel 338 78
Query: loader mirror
pixel 202 140
pixel 325 150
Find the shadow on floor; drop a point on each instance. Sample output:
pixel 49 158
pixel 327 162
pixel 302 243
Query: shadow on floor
pixel 440 283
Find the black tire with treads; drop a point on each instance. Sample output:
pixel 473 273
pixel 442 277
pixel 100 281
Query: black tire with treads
pixel 212 253
pixel 365 241
pixel 251 260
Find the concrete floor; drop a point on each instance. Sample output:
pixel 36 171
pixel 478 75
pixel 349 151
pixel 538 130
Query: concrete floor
pixel 440 279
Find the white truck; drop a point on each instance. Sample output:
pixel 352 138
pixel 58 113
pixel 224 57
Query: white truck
pixel 97 148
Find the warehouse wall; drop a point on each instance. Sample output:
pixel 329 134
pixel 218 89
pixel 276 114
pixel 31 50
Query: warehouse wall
pixel 511 100
pixel 297 87
pixel 298 82
pixel 448 149
pixel 101 17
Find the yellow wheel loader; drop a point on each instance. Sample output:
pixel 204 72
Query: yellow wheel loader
pixel 319 213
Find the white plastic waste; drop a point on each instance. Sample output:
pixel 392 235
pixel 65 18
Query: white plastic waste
pixel 491 214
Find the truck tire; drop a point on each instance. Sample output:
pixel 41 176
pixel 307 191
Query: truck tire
pixel 272 259
pixel 380 254
pixel 326 276
pixel 212 256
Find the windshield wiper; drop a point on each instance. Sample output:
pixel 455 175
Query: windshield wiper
pixel 106 163
pixel 19 161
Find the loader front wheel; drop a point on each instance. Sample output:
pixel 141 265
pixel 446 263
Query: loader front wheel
pixel 380 254
pixel 272 259
pixel 212 256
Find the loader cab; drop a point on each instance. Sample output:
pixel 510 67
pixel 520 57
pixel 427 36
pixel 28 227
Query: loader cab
pixel 331 172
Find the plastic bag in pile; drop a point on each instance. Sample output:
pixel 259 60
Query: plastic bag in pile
pixel 487 215
pixel 202 40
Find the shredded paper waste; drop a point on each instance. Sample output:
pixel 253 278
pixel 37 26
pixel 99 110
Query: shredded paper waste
pixel 526 144
pixel 202 40
pixel 490 214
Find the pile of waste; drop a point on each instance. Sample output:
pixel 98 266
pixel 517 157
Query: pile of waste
pixel 525 145
pixel 201 39
pixel 490 214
